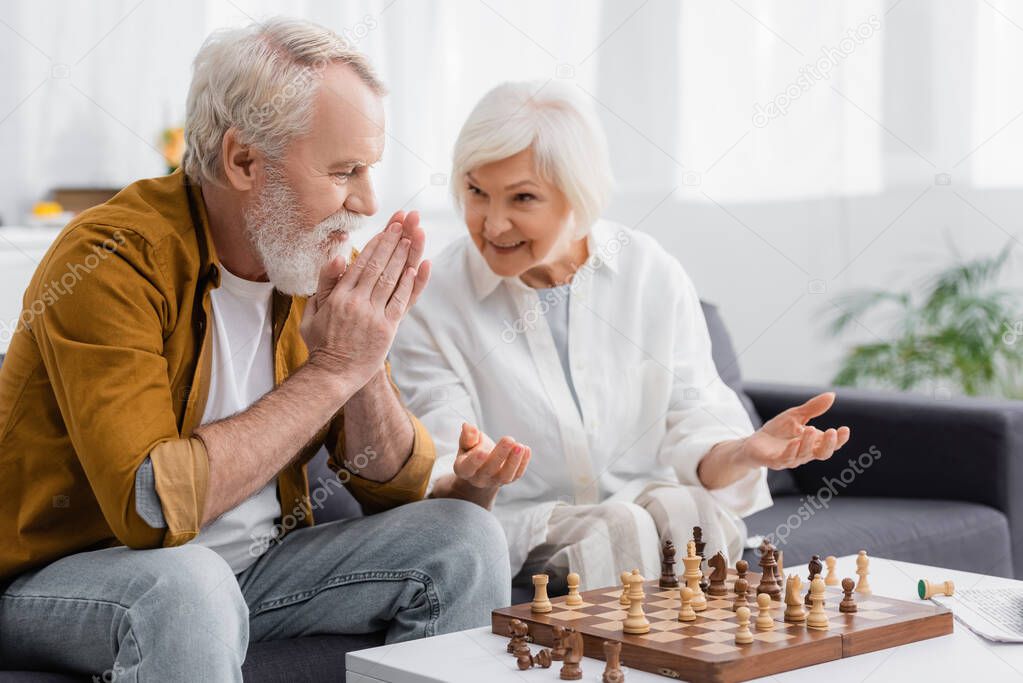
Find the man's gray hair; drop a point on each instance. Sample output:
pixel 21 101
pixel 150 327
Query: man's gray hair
pixel 262 80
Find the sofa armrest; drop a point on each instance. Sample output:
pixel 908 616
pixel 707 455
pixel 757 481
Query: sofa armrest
pixel 913 446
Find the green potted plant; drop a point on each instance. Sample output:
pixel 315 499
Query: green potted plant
pixel 959 332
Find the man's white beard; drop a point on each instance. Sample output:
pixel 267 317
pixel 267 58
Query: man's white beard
pixel 293 253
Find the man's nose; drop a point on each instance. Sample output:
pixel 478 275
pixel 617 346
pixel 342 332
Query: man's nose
pixel 362 199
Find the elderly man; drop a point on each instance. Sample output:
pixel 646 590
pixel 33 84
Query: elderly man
pixel 158 412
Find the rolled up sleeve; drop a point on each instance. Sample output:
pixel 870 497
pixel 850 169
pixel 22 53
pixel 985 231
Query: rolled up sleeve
pixel 407 486
pixel 181 471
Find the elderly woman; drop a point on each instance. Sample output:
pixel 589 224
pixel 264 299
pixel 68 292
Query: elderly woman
pixel 585 343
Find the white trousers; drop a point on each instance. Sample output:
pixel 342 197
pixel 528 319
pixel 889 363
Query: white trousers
pixel 601 541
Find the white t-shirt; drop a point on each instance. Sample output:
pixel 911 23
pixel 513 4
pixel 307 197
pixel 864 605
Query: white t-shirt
pixel 242 372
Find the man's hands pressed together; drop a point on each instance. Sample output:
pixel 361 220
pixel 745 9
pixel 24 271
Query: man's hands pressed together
pixel 350 322
pixel 348 325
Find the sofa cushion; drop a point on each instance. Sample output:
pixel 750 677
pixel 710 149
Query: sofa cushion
pixel 300 660
pixel 942 533
pixel 725 360
pixel 303 660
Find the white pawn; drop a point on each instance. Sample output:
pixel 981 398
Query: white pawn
pixel 764 620
pixel 624 600
pixel 743 636
pixel 862 568
pixel 687 613
pixel 573 599
pixel 818 618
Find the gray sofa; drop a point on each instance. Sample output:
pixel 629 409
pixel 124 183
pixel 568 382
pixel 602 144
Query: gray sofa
pixel 945 490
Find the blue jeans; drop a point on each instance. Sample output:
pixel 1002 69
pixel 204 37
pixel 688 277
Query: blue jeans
pixel 180 614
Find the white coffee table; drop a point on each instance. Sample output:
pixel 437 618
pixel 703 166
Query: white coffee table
pixel 478 656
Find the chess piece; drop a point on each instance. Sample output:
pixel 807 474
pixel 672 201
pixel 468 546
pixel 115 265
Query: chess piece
pixel 558 651
pixel 863 570
pixel 613 668
pixel 928 590
pixel 525 660
pixel 687 613
pixel 701 545
pixel 741 567
pixel 743 636
pixel 818 618
pixel 541 603
pixel 668 577
pixel 624 600
pixel 779 571
pixel 740 594
pixel 767 581
pixel 813 571
pixel 520 648
pixel 693 575
pixel 794 611
pixel 717 586
pixel 573 599
pixel 848 604
pixel 636 622
pixel 832 578
pixel 570 669
pixel 764 620
pixel 518 630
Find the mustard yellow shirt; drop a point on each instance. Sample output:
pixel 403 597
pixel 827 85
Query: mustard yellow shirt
pixel 110 364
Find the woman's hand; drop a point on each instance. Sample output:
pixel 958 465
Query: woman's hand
pixel 786 441
pixel 486 465
pixel 482 467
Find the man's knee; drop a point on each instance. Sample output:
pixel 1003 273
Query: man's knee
pixel 195 586
pixel 471 523
pixel 470 538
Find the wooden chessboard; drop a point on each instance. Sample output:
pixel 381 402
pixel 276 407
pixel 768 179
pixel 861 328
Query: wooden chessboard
pixel 705 649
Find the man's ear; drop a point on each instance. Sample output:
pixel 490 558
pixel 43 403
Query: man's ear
pixel 241 162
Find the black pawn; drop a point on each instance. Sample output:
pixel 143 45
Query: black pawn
pixel 848 604
pixel 741 567
pixel 668 577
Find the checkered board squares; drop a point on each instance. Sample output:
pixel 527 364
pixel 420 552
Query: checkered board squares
pixel 705 649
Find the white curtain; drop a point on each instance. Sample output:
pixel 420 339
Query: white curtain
pixel 90 85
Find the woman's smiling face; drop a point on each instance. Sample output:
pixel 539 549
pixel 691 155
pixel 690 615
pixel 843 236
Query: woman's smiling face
pixel 517 219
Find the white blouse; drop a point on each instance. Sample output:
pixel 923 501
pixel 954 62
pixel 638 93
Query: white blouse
pixel 476 348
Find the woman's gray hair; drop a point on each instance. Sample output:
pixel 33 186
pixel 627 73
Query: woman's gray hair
pixel 566 137
pixel 262 80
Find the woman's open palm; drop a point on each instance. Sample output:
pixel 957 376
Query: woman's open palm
pixel 785 441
